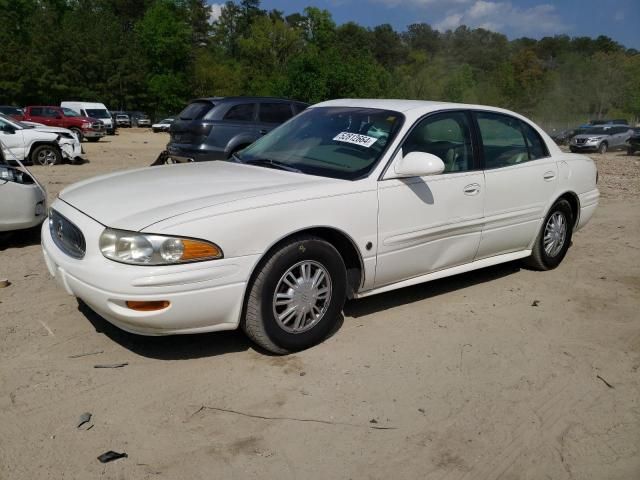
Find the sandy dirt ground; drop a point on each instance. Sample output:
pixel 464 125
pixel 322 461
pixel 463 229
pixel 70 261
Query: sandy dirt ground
pixel 503 373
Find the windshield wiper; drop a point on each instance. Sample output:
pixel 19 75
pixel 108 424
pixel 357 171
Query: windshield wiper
pixel 268 163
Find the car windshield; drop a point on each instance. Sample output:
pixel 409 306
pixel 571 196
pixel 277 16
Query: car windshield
pixel 336 142
pixel 167 120
pixel 97 113
pixel 70 113
pixel 5 119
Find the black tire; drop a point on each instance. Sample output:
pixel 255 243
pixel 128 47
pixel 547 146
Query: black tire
pixel 93 139
pixel 602 148
pixel 540 259
pixel 259 320
pixel 78 133
pixel 46 155
pixel 573 150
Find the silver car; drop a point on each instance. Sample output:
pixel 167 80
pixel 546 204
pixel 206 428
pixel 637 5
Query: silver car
pixel 601 138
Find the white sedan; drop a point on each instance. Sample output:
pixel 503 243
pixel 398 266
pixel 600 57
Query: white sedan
pixel 349 199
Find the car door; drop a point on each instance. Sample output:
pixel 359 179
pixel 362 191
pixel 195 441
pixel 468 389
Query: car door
pixel 272 114
pixel 433 222
pixel 521 179
pixel 12 140
pixel 36 114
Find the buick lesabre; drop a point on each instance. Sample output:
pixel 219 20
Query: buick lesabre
pixel 349 199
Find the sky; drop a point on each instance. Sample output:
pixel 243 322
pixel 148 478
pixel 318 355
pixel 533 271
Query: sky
pixel 618 19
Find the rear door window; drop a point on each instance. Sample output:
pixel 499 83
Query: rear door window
pixel 503 143
pixel 36 111
pixel 537 147
pixel 275 112
pixel 195 110
pixel 241 113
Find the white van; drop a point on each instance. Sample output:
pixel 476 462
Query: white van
pixel 93 110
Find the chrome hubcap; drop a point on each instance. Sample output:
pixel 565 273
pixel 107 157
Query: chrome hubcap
pixel 46 157
pixel 555 233
pixel 302 297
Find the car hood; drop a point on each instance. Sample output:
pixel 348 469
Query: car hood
pixel 135 199
pixel 43 128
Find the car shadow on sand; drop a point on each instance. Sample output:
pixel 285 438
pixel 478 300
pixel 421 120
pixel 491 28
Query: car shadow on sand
pixel 20 239
pixel 183 347
pixel 174 347
pixel 423 291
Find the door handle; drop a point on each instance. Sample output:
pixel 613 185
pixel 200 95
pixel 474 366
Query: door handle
pixel 472 189
pixel 548 176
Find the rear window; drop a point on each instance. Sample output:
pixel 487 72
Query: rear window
pixel 241 113
pixel 275 112
pixel 195 110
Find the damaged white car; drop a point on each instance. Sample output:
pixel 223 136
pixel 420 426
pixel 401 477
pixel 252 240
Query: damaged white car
pixel 39 145
pixel 23 203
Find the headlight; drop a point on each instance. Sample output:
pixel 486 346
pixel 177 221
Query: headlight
pixel 10 174
pixel 86 125
pixel 147 249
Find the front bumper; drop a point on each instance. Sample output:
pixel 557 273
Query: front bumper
pixel 94 133
pixel 584 147
pixel 204 297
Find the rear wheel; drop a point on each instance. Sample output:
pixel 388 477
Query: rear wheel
pixel 602 148
pixel 46 155
pixel 296 298
pixel 554 238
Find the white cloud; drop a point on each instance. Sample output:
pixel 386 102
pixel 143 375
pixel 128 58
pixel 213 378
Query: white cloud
pixel 503 15
pixel 215 10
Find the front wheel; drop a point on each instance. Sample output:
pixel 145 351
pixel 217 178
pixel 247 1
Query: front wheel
pixel 554 238
pixel 46 155
pixel 296 298
pixel 602 149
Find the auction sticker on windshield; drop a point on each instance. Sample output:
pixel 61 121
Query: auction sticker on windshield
pixel 356 139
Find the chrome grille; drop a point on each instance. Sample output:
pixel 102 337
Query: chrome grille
pixel 580 141
pixel 66 235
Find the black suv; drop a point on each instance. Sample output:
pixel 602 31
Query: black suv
pixel 216 128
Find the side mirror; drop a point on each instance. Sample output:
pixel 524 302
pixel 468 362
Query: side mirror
pixel 417 164
pixel 9 129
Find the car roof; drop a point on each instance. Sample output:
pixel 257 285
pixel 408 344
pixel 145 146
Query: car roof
pixel 243 99
pixel 422 106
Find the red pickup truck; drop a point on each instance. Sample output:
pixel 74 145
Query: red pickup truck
pixel 52 116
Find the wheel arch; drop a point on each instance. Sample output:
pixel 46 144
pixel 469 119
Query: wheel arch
pixel 342 242
pixel 574 202
pixel 40 143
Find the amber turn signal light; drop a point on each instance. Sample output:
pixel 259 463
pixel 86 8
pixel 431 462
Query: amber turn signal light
pixel 194 250
pixel 150 306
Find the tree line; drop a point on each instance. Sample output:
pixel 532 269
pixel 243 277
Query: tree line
pixel 155 55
